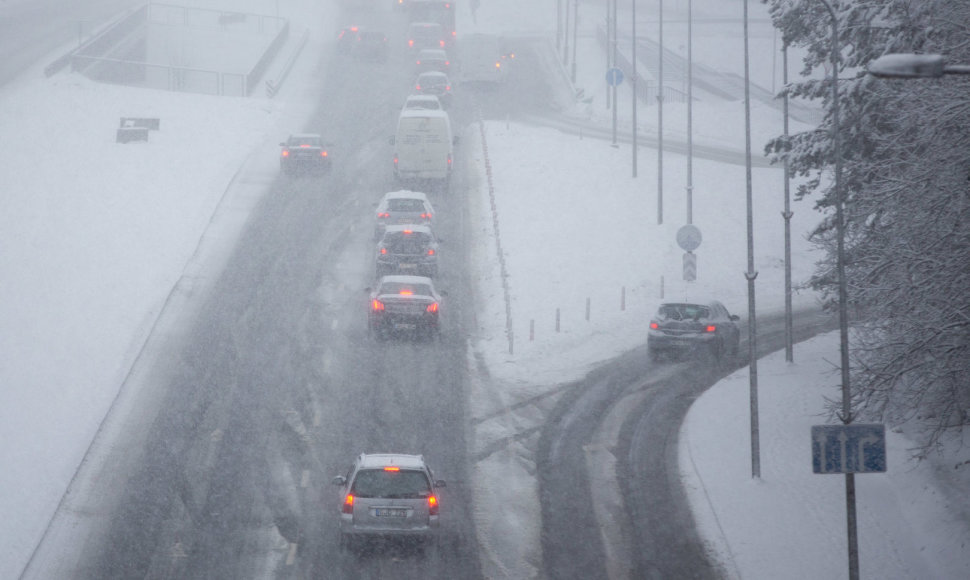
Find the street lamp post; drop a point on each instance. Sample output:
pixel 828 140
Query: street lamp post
pixel 751 273
pixel 633 84
pixel 660 118
pixel 850 501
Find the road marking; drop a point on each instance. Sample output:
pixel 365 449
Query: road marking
pixel 291 555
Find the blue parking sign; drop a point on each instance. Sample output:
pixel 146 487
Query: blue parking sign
pixel 853 448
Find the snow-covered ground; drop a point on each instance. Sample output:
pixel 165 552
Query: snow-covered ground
pixel 96 236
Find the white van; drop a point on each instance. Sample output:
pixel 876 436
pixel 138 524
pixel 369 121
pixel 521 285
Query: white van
pixel 423 146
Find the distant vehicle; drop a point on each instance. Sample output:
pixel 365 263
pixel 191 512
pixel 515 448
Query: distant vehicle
pixel 423 146
pixel 370 45
pixel 426 35
pixel 438 11
pixel 422 103
pixel 388 495
pixel 346 39
pixel 302 152
pixel 434 83
pixel 407 249
pixel 404 305
pixel 403 207
pixel 684 327
pixel 432 59
pixel 484 58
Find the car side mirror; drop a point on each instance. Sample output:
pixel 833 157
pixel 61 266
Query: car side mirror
pixel 391 139
pixel 440 483
pixel 734 317
pixel 339 480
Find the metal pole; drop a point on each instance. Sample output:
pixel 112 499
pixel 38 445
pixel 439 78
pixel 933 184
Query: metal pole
pixel 633 85
pixel 559 25
pixel 615 88
pixel 575 38
pixel 787 215
pixel 660 120
pixel 850 504
pixel 690 114
pixel 565 50
pixel 751 274
pixel 609 54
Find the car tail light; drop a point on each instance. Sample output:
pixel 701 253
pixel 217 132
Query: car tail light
pixel 442 43
pixel 447 63
pixel 304 146
pixel 411 43
pixel 426 216
pixel 408 232
pixel 392 468
pixel 432 308
pixel 348 504
pixel 383 251
pixel 710 328
pixel 285 153
pixel 406 293
pixel 430 251
pixel 449 160
pixel 498 64
pixel 323 154
pixel 417 87
pixel 447 88
pixel 417 62
pixel 377 306
pixel 383 214
pixel 395 161
pixel 432 505
pixel 654 326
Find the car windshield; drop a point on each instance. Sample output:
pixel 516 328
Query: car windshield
pixel 409 205
pixel 401 484
pixel 683 312
pixel 405 289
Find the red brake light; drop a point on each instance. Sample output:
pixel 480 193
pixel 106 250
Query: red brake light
pixel 426 216
pixel 348 504
pixel 433 307
pixel 449 160
pixel 406 293
pixel 285 153
pixel 711 328
pixel 447 63
pixel 408 232
pixel 411 43
pixel 383 251
pixel 417 87
pixel 383 214
pixel 323 154
pixel 654 326
pixel 417 62
pixel 430 251
pixel 442 43
pixel 392 468
pixel 377 306
pixel 432 505
pixel 304 146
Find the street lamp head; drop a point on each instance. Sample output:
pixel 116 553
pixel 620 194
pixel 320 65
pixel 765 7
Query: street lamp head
pixel 907 66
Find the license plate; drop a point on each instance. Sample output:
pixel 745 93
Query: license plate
pixel 391 512
pixel 406 266
pixel 405 326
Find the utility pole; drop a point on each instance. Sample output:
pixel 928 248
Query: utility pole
pixel 614 88
pixel 690 113
pixel 787 215
pixel 575 37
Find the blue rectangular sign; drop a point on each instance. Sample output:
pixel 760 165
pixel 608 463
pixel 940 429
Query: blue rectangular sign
pixel 853 448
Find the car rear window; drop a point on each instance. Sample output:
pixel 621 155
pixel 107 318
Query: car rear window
pixel 400 242
pixel 683 312
pixel 297 141
pixel 405 205
pixel 403 484
pixel 402 288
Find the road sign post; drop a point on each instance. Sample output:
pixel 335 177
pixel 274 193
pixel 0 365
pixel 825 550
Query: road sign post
pixel 690 267
pixel 689 239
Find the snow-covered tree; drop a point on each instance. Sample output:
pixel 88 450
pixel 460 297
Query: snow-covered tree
pixel 906 186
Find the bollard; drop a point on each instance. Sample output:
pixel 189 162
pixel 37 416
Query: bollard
pixel 587 309
pixel 622 298
pixel 661 287
pixel 557 320
pixel 532 329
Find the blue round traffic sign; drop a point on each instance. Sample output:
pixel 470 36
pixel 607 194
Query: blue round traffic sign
pixel 614 76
